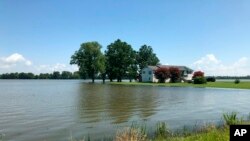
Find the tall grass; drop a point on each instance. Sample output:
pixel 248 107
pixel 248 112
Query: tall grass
pixel 162 130
pixel 1 136
pixel 130 134
pixel 231 118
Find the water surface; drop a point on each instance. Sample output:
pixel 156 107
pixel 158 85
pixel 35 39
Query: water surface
pixel 58 109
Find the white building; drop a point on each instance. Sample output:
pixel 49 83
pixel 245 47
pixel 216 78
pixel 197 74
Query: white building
pixel 147 73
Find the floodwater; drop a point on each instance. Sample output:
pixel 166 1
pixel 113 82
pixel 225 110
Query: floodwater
pixel 55 110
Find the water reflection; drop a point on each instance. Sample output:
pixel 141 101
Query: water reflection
pixel 116 104
pixel 56 109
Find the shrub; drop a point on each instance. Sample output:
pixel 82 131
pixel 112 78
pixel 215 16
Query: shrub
pixel 211 79
pixel 200 80
pixel 162 74
pixel 231 118
pixel 130 134
pixel 198 74
pixel 237 81
pixel 175 74
pixel 162 130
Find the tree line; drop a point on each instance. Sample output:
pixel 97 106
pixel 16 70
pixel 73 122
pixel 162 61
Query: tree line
pixel 119 61
pixel 54 75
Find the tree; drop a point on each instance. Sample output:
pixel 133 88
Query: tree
pixel 199 78
pixel 44 76
pixel 198 74
pixel 175 74
pixel 120 56
pixel 132 71
pixel 56 75
pixel 23 75
pixel 76 75
pixel 89 59
pixel 146 57
pixel 103 68
pixel 162 74
pixel 66 75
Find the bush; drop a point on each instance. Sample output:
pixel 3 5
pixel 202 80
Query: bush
pixel 175 74
pixel 162 130
pixel 162 74
pixel 231 118
pixel 211 79
pixel 237 81
pixel 130 134
pixel 198 74
pixel 200 80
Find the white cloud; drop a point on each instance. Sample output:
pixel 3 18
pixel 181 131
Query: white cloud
pixel 18 63
pixel 213 66
pixel 208 59
pixel 13 60
pixel 56 67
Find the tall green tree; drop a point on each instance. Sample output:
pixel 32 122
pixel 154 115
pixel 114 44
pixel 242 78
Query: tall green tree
pixel 89 59
pixel 119 56
pixel 132 71
pixel 66 75
pixel 56 75
pixel 146 57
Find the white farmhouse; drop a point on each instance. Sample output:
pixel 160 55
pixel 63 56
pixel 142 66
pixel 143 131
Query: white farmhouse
pixel 147 73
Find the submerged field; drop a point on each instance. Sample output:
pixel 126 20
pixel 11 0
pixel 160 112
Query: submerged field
pixel 59 109
pixel 241 85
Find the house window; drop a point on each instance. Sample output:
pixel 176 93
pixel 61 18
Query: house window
pixel 150 72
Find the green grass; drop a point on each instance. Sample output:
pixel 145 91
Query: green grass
pixel 241 85
pixel 212 135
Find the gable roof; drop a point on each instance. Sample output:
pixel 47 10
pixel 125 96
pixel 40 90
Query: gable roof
pixel 168 66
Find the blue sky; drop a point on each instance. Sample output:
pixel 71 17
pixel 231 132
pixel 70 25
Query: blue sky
pixel 208 35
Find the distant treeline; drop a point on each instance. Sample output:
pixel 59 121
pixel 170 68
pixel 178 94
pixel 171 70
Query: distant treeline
pixel 232 77
pixel 54 75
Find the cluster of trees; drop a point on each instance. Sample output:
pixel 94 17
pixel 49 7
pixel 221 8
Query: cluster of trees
pixel 233 77
pixel 164 73
pixel 54 75
pixel 199 78
pixel 119 61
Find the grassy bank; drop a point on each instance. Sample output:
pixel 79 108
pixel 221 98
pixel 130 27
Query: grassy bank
pixel 208 132
pixel 241 85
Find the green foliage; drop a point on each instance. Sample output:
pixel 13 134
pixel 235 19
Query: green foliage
pixel 120 57
pixel 211 79
pixel 237 81
pixel 66 75
pixel 145 57
pixel 132 72
pixel 162 130
pixel 89 59
pixel 199 80
pixel 231 118
pixel 56 75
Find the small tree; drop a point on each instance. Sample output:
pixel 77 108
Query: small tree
pixel 175 74
pixel 211 79
pixel 199 78
pixel 237 81
pixel 162 74
pixel 198 74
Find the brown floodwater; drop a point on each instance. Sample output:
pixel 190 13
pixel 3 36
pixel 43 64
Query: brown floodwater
pixel 56 110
